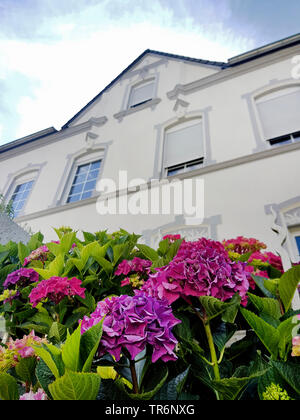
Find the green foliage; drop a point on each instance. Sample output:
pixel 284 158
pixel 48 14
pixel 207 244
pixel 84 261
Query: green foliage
pixel 210 365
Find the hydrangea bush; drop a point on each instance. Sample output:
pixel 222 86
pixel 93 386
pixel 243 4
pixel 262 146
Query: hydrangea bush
pixel 106 317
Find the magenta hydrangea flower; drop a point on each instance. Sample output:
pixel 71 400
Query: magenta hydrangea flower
pixel 132 322
pixel 55 289
pixel 34 396
pixel 201 268
pixel 136 265
pixel 39 254
pixel 21 278
pixel 172 238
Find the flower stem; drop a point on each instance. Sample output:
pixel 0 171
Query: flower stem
pixel 212 349
pixel 134 377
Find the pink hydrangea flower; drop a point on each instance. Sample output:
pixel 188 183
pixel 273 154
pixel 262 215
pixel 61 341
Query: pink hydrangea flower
pixel 40 254
pixel 243 245
pixel 55 289
pixel 23 347
pixel 172 238
pixel 132 322
pixel 137 265
pixel 34 396
pixel 201 268
pixel 296 346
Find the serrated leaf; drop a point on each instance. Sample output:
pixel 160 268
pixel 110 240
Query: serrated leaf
pixel 71 350
pixel 214 307
pixel 8 388
pixel 44 376
pixel 23 252
pixel 267 334
pixel 290 372
pixel 148 252
pixel 25 369
pixel 89 345
pixel 49 359
pixel 74 386
pixel 267 306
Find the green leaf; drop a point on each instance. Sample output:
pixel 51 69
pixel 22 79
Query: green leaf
pixel 268 335
pixel 89 345
pixel 290 372
pixel 172 390
pixel 55 268
pixel 23 252
pixel 8 388
pixel 148 252
pixel 288 285
pixel 75 386
pixel 266 306
pixel 25 369
pixel 214 307
pixel 57 332
pixel 44 376
pixel 71 350
pixel 50 359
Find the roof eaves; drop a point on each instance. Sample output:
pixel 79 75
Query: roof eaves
pixel 28 139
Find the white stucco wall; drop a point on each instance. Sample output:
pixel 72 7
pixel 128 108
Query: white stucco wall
pixel 238 193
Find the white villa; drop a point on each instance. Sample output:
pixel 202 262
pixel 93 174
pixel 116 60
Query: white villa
pixel 233 125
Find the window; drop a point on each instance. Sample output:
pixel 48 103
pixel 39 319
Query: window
pixel 297 239
pixel 141 93
pixel 84 182
pixel 279 114
pixel 184 149
pixel 186 167
pixel 19 197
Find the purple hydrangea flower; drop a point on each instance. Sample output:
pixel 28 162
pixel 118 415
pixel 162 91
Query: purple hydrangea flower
pixel 34 396
pixel 200 268
pixel 21 278
pixel 132 322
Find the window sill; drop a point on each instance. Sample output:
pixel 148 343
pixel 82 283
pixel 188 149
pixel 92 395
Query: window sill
pixel 149 104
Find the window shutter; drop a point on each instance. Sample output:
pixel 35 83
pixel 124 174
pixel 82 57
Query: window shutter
pixel 183 145
pixel 280 115
pixel 141 93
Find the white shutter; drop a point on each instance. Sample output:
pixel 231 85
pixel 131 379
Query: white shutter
pixel 280 114
pixel 141 93
pixel 184 144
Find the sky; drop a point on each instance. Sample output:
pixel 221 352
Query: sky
pixel 56 55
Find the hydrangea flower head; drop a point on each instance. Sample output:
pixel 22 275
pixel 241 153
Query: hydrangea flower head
pixel 200 268
pixel 21 278
pixel 55 289
pixel 274 393
pixel 137 265
pixel 296 346
pixel 34 396
pixel 172 238
pixel 40 254
pixel 16 350
pixel 132 322
pixel 242 245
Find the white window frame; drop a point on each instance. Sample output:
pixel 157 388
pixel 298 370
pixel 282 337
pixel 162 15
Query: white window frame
pixel 176 127
pixel 138 84
pixel 79 161
pixel 258 96
pixel 20 180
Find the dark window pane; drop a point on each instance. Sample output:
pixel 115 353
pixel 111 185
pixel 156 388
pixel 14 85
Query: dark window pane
pixel 74 198
pixel 86 195
pixel 298 243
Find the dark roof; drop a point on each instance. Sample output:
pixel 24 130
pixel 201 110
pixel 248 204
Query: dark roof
pixel 28 139
pixel 232 62
pixel 177 57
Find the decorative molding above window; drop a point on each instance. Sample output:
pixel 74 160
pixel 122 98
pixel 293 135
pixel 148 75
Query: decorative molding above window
pixel 19 187
pixel 83 170
pixel 140 94
pixel 275 113
pixel 208 229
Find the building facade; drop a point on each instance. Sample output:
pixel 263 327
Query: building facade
pixel 233 126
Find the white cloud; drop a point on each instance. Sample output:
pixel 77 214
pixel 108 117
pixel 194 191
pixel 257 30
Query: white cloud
pixel 68 73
